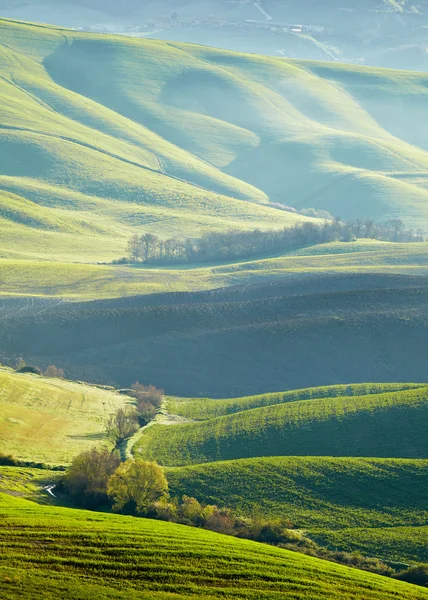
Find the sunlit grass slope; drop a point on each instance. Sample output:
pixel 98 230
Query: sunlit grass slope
pixel 89 281
pixel 28 483
pixel 201 409
pixel 51 420
pixel 390 424
pixel 103 136
pixel 100 171
pixel 61 553
pixel 375 506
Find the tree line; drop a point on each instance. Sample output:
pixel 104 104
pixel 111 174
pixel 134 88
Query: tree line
pixel 234 244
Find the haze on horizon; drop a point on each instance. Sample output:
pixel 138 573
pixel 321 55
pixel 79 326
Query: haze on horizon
pixel 385 33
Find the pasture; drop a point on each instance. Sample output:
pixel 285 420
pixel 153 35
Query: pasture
pixel 61 553
pixel 51 420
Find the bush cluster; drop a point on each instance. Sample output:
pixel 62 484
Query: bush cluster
pixel 148 401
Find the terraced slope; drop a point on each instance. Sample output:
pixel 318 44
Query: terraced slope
pixel 236 346
pixel 102 136
pixel 379 425
pixel 104 556
pixel 51 420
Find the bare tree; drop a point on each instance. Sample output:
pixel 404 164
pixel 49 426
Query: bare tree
pixel 122 425
pixel 134 247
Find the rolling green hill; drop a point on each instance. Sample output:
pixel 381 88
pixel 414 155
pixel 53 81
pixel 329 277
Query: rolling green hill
pixel 314 492
pixel 89 281
pixel 390 424
pixel 103 136
pixel 374 506
pixel 61 553
pixel 201 409
pixel 51 420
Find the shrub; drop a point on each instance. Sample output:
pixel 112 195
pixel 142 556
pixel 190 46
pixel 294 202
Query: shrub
pixel 146 412
pixel 416 575
pixel 137 485
pixel 29 369
pixel 7 460
pixel 87 477
pixel 147 393
pixel 53 372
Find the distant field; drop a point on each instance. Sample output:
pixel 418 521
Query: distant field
pixel 401 544
pixel 390 424
pixel 51 420
pixel 89 281
pixel 106 136
pixel 314 492
pixel 233 342
pixel 58 553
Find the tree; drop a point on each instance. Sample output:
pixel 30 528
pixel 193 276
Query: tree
pixel 147 393
pixel 54 372
pixel 134 247
pixel 149 243
pixel 137 484
pixel 395 227
pixel 122 425
pixel 87 477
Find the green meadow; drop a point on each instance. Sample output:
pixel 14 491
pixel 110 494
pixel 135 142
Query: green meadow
pixel 201 409
pixel 369 505
pixel 52 552
pixel 389 424
pixel 167 137
pixel 92 281
pixel 51 420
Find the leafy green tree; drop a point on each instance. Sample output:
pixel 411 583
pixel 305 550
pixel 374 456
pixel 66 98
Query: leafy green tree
pixel 137 484
pixel 87 477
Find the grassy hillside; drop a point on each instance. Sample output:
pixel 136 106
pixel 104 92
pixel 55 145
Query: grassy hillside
pixel 379 425
pixel 97 555
pixel 90 281
pixel 51 420
pixel 314 492
pixel 28 483
pixel 374 506
pixel 103 136
pixel 400 544
pixel 63 131
pixel 201 409
pixel 238 342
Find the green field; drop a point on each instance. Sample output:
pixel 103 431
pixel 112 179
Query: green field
pixel 167 137
pixel 28 483
pixel 61 553
pixel 374 506
pixel 201 409
pixel 51 420
pixel 90 281
pixel 389 424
